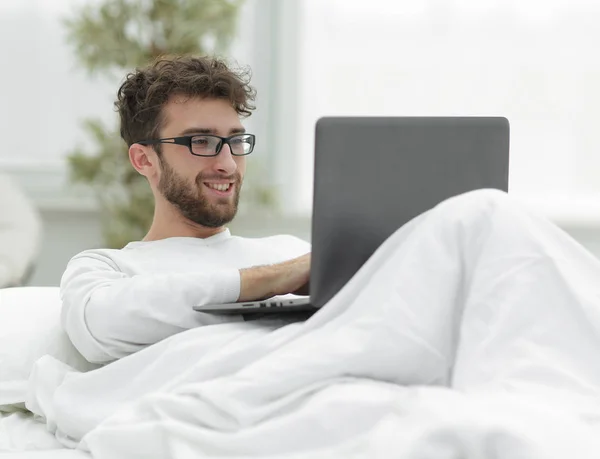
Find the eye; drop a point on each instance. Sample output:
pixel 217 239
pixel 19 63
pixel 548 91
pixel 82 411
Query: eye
pixel 200 141
pixel 241 139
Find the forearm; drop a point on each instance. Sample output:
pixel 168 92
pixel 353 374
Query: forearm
pixel 257 283
pixel 107 319
pixel 279 279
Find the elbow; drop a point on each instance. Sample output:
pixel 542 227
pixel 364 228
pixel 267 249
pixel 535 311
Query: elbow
pixel 93 355
pixel 82 338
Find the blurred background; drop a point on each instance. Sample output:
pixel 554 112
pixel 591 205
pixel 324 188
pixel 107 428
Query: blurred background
pixel 533 61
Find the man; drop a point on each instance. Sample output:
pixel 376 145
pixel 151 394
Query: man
pixel 181 120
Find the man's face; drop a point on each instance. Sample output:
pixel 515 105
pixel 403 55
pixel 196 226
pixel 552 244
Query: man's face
pixel 190 182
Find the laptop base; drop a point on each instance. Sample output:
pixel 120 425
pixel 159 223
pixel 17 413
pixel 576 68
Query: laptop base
pixel 269 306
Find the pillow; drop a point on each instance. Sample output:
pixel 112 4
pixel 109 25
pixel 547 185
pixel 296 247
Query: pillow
pixel 29 329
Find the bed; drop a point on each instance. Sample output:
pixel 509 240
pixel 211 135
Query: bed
pixel 30 330
pixel 364 377
pixel 52 454
pixel 23 437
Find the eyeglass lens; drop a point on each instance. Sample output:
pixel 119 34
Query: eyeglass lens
pixel 210 145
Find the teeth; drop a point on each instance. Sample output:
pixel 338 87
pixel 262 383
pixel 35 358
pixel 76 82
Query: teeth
pixel 219 186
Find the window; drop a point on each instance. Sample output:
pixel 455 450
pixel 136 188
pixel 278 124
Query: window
pixel 531 61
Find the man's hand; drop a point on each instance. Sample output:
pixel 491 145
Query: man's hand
pixel 266 281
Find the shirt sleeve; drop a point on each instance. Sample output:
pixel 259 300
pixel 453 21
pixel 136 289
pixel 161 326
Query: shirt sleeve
pixel 108 314
pixel 292 246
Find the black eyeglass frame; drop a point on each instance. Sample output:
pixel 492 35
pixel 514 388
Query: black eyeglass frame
pixel 186 141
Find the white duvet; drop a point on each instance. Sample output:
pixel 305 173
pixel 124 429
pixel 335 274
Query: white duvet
pixel 473 332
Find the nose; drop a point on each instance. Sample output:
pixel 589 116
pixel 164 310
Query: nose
pixel 225 162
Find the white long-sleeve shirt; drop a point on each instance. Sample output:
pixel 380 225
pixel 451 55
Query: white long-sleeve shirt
pixel 116 302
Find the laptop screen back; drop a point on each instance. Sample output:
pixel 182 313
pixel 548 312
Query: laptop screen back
pixel 373 175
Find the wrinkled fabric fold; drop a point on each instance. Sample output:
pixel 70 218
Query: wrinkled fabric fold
pixel 473 330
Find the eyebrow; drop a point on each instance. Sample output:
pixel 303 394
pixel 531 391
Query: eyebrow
pixel 198 130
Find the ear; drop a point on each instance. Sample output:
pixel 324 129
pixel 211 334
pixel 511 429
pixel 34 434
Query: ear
pixel 144 160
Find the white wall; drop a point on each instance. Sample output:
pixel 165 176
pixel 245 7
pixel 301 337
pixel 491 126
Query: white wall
pixel 44 93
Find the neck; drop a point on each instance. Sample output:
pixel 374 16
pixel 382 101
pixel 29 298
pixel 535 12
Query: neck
pixel 168 222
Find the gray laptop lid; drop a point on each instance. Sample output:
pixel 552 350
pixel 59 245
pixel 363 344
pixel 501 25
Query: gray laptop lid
pixel 373 175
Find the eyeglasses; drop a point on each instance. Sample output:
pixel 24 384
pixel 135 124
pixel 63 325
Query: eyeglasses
pixel 210 145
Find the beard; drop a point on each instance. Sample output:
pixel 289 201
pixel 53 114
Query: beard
pixel 191 201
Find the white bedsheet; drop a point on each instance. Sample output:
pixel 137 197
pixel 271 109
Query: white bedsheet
pixel 21 431
pixel 473 332
pixel 51 454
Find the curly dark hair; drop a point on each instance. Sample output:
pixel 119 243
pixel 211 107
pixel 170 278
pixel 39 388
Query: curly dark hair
pixel 146 90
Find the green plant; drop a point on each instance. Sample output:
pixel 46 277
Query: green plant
pixel 111 37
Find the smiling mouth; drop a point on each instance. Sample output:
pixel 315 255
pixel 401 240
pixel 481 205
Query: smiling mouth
pixel 219 186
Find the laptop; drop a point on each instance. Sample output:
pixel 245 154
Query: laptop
pixel 373 175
